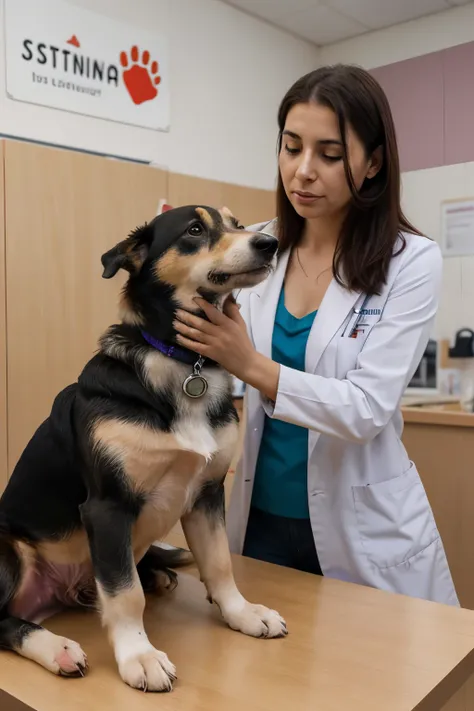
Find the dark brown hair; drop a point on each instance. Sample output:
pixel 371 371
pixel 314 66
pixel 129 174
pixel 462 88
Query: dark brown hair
pixel 375 218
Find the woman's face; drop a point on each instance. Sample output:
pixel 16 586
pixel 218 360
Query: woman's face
pixel 311 163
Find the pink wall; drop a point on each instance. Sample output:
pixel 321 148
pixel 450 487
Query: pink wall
pixel 432 99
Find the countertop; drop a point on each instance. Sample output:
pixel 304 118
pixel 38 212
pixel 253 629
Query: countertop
pixel 349 647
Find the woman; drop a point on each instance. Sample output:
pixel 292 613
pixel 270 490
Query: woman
pixel 327 346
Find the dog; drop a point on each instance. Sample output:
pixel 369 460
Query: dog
pixel 143 439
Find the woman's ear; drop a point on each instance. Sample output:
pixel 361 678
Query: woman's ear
pixel 129 254
pixel 375 163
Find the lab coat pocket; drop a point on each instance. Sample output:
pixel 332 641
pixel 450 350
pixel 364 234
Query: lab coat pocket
pixel 394 519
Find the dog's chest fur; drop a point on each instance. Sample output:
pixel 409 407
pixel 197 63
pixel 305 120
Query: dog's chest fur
pixel 169 467
pixel 192 424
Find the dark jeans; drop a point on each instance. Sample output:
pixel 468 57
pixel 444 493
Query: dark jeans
pixel 283 541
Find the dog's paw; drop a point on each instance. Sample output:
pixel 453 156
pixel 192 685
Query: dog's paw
pixel 57 654
pixel 71 659
pixel 149 671
pixel 257 621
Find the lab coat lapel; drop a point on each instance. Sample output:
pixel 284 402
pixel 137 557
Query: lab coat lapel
pixel 338 303
pixel 263 304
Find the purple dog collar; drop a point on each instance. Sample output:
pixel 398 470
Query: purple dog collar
pixel 171 350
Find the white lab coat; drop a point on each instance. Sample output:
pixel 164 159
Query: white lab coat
pixel 371 519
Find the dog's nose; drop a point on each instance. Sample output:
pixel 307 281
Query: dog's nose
pixel 266 244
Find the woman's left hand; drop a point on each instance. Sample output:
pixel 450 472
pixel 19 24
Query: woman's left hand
pixel 223 338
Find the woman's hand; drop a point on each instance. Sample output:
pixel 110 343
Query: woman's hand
pixel 224 339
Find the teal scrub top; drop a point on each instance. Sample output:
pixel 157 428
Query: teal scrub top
pixel 280 486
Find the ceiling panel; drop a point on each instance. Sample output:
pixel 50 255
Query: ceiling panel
pixel 272 10
pixel 326 21
pixel 381 13
pixel 322 25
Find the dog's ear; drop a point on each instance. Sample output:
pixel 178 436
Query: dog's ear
pixel 225 212
pixel 163 207
pixel 130 254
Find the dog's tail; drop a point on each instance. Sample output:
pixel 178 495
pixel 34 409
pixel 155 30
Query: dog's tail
pixel 172 557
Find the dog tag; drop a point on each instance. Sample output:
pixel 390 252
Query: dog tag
pixel 196 385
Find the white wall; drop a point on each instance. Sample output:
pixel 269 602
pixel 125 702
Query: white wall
pixel 424 190
pixel 228 74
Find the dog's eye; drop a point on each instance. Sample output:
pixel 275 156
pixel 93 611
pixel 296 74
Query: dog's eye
pixel 195 230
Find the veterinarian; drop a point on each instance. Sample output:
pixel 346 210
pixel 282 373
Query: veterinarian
pixel 327 346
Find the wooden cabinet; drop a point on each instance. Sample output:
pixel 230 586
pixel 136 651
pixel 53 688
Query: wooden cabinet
pixel 3 339
pixel 440 442
pixel 187 190
pixel 249 205
pixel 63 210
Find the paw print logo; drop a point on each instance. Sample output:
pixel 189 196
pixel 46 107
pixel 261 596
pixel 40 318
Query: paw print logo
pixel 141 79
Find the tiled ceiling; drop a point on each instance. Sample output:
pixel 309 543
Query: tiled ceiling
pixel 326 21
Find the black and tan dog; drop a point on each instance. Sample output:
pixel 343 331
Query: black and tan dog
pixel 144 438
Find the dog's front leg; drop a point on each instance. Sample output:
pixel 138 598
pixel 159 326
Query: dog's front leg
pixel 204 528
pixel 109 529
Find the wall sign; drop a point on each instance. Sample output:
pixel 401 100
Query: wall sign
pixel 457 227
pixel 62 56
